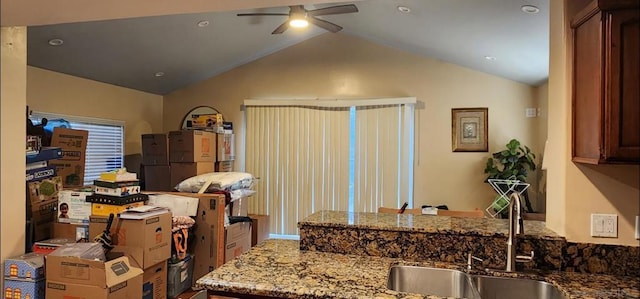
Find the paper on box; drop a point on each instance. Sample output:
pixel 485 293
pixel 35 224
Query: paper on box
pixel 77 209
pixel 178 205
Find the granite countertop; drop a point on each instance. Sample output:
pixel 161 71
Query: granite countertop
pixel 278 268
pixel 425 223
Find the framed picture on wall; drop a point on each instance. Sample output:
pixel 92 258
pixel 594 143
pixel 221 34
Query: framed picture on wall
pixel 469 129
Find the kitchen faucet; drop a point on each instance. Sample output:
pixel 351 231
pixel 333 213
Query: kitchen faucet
pixel 516 227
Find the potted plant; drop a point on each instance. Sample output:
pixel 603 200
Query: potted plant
pixel 512 162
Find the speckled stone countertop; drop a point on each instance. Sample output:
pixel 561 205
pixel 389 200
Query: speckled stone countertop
pixel 278 268
pixel 425 223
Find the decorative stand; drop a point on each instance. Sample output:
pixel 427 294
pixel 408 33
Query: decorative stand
pixel 504 188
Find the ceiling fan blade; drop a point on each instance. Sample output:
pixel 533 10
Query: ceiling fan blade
pixel 262 14
pixel 284 26
pixel 324 24
pixel 333 10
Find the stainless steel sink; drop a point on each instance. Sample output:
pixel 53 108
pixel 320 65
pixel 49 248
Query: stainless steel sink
pixel 501 287
pixel 431 281
pixel 458 284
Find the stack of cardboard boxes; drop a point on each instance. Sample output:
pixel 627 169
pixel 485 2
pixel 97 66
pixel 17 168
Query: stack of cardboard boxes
pixel 146 240
pixel 49 169
pixel 168 159
pixel 155 162
pixel 191 152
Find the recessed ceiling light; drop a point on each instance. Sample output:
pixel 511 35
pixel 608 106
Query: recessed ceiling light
pixel 490 58
pixel 159 74
pixel 404 9
pixel 56 42
pixel 203 23
pixel 530 9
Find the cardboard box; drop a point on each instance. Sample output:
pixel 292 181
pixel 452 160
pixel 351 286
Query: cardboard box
pixel 237 240
pixel 259 228
pixel 154 282
pixel 74 145
pixel 180 276
pixel 209 234
pixel 223 166
pixel 72 207
pixel 183 171
pixel 44 190
pixel 191 146
pixel 24 289
pixel 155 149
pixel 25 266
pixel 73 277
pixel 225 147
pixel 71 231
pixel 238 207
pixel 201 294
pixel 120 191
pixel 99 209
pixel 97 225
pixel 40 173
pixel 157 178
pixel 43 215
pixel 202 121
pixel 147 240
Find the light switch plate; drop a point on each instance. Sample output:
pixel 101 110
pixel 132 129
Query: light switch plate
pixel 531 112
pixel 604 225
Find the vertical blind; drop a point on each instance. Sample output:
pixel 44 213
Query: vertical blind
pixel 309 156
pixel 383 156
pixel 301 156
pixel 105 145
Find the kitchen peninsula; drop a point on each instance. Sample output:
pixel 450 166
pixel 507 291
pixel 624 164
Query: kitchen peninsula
pixel 299 269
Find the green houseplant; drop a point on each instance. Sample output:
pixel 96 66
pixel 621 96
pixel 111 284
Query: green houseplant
pixel 512 162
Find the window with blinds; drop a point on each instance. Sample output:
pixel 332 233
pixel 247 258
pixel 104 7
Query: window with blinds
pixel 328 155
pixel 105 145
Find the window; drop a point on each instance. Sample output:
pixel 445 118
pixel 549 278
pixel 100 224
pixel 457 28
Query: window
pixel 105 145
pixel 328 155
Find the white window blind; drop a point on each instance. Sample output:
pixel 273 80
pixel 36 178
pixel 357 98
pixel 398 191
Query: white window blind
pixel 105 145
pixel 328 155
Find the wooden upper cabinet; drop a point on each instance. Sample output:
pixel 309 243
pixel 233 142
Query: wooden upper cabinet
pixel 606 83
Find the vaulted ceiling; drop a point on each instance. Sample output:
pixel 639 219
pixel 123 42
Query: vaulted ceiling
pixel 492 36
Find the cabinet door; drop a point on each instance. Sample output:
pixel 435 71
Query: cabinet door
pixel 622 86
pixel 587 100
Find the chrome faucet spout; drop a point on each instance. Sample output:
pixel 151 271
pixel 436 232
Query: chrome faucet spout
pixel 515 228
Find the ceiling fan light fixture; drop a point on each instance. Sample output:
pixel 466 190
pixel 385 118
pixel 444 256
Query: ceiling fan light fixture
pixel 299 23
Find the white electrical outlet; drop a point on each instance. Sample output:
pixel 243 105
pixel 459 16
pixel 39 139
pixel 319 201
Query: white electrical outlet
pixel 604 225
pixel 637 227
pixel 530 112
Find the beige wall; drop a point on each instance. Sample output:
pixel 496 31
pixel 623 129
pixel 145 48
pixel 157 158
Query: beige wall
pixel 339 66
pixel 542 102
pixel 13 99
pixel 576 191
pixel 53 92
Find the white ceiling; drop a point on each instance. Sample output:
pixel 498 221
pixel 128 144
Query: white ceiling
pixel 128 52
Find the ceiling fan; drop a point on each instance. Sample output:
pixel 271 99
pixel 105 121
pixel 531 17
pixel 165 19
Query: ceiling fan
pixel 301 17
